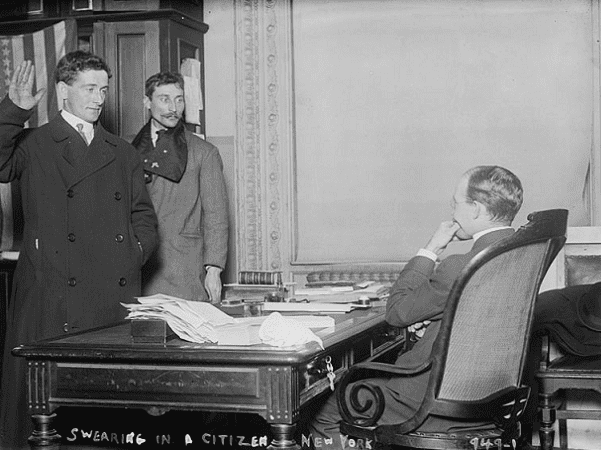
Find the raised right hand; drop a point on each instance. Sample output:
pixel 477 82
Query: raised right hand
pixel 21 86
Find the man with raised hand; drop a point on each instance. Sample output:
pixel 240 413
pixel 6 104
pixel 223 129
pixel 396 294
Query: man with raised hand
pixel 89 224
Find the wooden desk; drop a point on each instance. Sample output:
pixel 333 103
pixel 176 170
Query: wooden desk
pixel 102 367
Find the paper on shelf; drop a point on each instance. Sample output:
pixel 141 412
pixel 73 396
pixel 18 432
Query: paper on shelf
pixel 190 70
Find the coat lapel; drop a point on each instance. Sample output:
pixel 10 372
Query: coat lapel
pixel 100 153
pixel 97 155
pixel 67 145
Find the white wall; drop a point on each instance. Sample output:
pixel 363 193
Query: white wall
pixel 395 100
pixel 220 101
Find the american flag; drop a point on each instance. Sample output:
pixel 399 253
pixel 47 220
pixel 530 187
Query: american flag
pixel 44 48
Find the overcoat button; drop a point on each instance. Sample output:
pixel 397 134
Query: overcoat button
pixel 119 238
pixel 122 281
pixel 117 195
pixel 66 327
pixel 71 237
pixel 72 281
pixel 70 193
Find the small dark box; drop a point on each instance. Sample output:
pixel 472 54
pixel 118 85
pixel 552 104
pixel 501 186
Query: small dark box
pixel 151 331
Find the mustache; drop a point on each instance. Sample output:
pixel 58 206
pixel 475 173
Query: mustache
pixel 172 116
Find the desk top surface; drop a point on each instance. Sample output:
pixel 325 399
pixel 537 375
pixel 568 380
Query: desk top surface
pixel 114 344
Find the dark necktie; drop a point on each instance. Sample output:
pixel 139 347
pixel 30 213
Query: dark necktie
pixel 160 134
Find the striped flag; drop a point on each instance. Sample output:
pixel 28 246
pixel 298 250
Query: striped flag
pixel 44 48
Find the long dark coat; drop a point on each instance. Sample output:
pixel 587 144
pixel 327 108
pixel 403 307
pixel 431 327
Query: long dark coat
pixel 89 226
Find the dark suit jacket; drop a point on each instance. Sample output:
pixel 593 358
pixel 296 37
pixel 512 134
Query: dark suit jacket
pixel 420 293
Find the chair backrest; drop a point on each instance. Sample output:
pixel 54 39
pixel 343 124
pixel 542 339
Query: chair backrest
pixel 484 335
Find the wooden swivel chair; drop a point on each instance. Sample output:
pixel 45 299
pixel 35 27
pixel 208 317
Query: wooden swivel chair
pixel 479 356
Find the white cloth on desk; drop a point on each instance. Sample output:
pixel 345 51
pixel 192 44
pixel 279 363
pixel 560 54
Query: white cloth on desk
pixel 281 331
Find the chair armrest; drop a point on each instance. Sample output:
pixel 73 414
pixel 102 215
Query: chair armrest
pixel 387 369
pixel 371 370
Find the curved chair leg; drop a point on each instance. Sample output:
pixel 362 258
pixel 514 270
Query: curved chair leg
pixel 546 432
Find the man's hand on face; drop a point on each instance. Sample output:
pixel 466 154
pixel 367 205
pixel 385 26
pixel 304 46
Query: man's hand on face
pixel 442 236
pixel 21 86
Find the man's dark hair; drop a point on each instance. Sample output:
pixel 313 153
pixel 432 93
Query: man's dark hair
pixel 161 78
pixel 498 189
pixel 78 61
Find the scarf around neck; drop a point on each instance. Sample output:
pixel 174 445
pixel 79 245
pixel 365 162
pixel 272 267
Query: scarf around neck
pixel 168 159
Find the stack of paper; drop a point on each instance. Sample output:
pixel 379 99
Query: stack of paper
pixel 340 294
pixel 318 307
pixel 191 321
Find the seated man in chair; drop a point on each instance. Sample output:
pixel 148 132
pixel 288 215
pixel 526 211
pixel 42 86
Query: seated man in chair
pixel 485 202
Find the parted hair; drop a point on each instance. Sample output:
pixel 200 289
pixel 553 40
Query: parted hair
pixel 498 189
pixel 161 78
pixel 78 61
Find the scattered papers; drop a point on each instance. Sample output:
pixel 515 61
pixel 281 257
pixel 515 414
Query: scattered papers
pixel 338 294
pixel 370 289
pixel 315 307
pixel 202 322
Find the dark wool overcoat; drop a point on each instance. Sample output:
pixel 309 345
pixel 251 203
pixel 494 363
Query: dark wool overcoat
pixel 89 225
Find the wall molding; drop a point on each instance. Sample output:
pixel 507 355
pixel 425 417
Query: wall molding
pixel 264 133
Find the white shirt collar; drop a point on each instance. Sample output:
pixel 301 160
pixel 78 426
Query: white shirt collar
pixel 479 234
pixel 73 120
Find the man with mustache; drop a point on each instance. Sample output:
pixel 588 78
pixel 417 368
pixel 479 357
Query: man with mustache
pixel 184 176
pixel 89 224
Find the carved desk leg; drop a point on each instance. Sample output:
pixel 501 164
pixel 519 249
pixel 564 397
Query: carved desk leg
pixel 44 437
pixel 283 437
pixel 546 432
